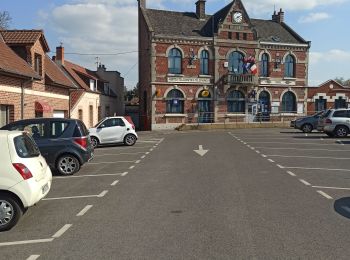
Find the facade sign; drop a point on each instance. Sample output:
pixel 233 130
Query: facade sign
pixel 278 82
pixel 188 80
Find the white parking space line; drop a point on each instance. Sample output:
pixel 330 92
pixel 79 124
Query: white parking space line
pixel 300 143
pixel 147 141
pixel 270 160
pixel 124 174
pixel 60 232
pixel 105 154
pixel 263 155
pixel 73 197
pixel 114 183
pixel 151 149
pixel 280 166
pixel 36 241
pixel 123 148
pixel 318 169
pixel 84 210
pixel 33 257
pixel 138 161
pixel 143 156
pixel 291 173
pixel 132 167
pixel 147 153
pixel 304 182
pixel 331 188
pixel 324 194
pixel 302 149
pixel 102 194
pixel 308 157
pixel 252 148
pixel 89 175
pixel 110 162
pixel 257 151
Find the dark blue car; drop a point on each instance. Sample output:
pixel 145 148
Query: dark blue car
pixel 65 143
pixel 306 124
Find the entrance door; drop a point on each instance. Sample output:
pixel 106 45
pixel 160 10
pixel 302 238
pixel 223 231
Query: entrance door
pixel 205 113
pixel 264 103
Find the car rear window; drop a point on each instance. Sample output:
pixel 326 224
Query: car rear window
pixel 340 113
pixel 326 114
pixel 26 147
pixel 80 130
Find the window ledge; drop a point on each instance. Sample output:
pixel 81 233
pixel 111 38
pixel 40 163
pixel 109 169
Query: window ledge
pixel 290 114
pixel 175 75
pixel 289 78
pixel 204 76
pixel 175 115
pixel 235 115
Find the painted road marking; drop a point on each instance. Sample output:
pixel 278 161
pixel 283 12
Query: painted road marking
pixel 151 149
pixel 147 152
pixel 304 182
pixel 324 194
pixel 90 175
pixel 270 160
pixel 114 183
pixel 33 257
pixel 106 154
pixel 257 151
pixel 143 156
pixel 331 188
pixel 26 242
pixel 124 174
pixel 322 169
pixel 280 166
pixel 291 173
pixel 301 149
pixel 291 143
pixel 132 167
pixel 84 210
pixel 111 162
pixel 77 197
pixel 340 142
pixel 309 157
pixel 138 161
pixel 263 155
pixel 60 232
pixel 102 194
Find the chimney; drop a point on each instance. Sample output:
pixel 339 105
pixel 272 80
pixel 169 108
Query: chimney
pixel 60 55
pixel 278 18
pixel 142 3
pixel 200 9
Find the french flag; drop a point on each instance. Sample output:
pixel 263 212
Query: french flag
pixel 254 69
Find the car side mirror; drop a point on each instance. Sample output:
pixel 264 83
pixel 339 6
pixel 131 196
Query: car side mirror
pixel 101 126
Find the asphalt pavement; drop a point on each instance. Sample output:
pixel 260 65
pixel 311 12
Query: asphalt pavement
pixel 240 194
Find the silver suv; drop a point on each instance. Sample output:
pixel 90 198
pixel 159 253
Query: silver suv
pixel 335 122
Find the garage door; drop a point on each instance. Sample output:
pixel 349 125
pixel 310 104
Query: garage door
pixel 58 113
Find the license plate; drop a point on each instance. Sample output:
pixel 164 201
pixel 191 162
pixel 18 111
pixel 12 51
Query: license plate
pixel 45 188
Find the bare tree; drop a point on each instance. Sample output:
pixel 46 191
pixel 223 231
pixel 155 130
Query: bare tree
pixel 5 20
pixel 342 81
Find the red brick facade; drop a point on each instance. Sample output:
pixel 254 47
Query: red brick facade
pixel 155 82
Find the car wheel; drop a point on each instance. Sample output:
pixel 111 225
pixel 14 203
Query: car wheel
pixel 10 212
pixel 307 128
pixel 67 164
pixel 129 140
pixel 94 142
pixel 341 131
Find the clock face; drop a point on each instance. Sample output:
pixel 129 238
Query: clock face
pixel 237 17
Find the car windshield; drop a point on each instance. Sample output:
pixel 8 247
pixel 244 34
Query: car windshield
pixel 99 123
pixel 318 113
pixel 325 114
pixel 26 147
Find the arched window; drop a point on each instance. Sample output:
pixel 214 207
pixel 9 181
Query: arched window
pixel 174 61
pixel 289 67
pixel 289 104
pixel 204 62
pixel 175 102
pixel 264 65
pixel 236 102
pixel 264 100
pixel 235 63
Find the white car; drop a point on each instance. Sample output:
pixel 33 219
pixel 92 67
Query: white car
pixel 25 177
pixel 112 130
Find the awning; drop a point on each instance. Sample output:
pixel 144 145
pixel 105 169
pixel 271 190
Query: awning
pixel 42 106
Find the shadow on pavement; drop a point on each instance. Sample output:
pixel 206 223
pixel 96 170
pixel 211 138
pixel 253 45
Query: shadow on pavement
pixel 342 207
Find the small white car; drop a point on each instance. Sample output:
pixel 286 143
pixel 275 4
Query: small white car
pixel 112 130
pixel 25 177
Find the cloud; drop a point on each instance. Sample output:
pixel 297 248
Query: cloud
pixel 331 56
pixel 314 17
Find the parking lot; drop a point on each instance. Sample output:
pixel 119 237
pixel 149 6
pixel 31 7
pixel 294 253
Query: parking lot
pixel 71 197
pixel 314 159
pixel 177 202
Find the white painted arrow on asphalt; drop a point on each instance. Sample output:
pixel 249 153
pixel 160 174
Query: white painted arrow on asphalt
pixel 201 151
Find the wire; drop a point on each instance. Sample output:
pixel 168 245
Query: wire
pixel 130 69
pixel 97 54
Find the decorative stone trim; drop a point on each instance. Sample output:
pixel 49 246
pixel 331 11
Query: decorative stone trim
pixel 175 115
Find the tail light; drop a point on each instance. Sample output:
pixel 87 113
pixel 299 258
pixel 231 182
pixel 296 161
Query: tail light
pixel 328 121
pixel 82 141
pixel 23 170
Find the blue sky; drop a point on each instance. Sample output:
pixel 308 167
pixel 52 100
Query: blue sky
pixel 101 27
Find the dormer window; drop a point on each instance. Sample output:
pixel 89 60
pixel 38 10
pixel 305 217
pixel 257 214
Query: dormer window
pixel 106 88
pixel 92 85
pixel 38 64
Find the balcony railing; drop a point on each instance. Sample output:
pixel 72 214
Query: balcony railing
pixel 232 78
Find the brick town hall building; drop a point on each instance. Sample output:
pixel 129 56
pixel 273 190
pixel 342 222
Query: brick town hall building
pixel 195 67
